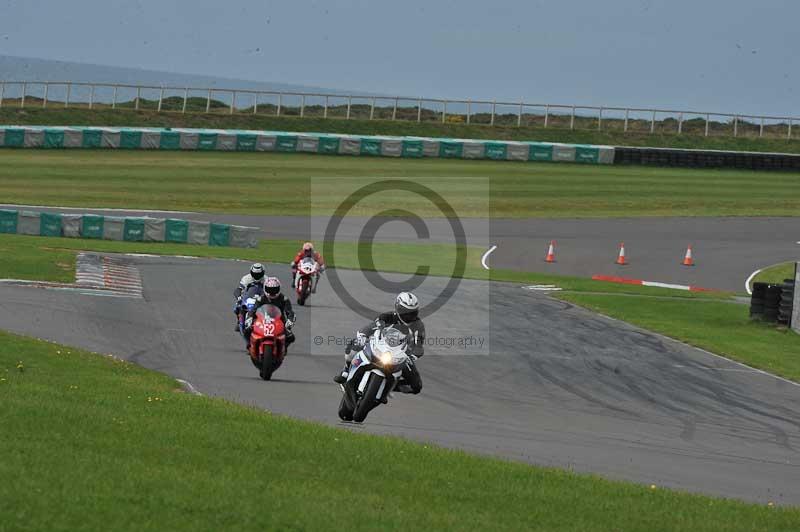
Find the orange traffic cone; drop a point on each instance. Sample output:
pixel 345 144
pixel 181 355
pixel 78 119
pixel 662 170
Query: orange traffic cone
pixel 551 252
pixel 688 260
pixel 621 257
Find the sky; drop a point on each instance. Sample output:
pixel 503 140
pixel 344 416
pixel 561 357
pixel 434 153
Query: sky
pixel 718 56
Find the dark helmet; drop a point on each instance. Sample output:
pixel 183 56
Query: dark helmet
pixel 257 271
pixel 407 307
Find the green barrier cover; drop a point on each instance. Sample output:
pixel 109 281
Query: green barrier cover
pixel 49 224
pixel 54 138
pixel 540 152
pixel 586 154
pixel 413 148
pixel 219 235
pixel 133 230
pixel 130 140
pixel 207 141
pixel 176 231
pixel 15 138
pixel 496 150
pixel 370 146
pixel 449 149
pixel 245 142
pixel 91 138
pixel 8 221
pixel 328 145
pixel 170 140
pixel 92 226
pixel 286 143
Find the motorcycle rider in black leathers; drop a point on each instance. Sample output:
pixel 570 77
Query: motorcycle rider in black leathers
pixel 272 296
pixel 405 318
pixel 255 277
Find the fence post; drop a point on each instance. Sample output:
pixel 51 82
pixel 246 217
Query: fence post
pixel 2 92
pixel 444 112
pixel 160 98
pixel 138 97
pixel 46 89
pixel 546 114
pixel 255 103
pixel 653 123
pixel 394 109
pixel 325 110
pixel 91 96
pixel 708 118
pixel 372 109
pixel 735 126
pixel 280 103
pixel 600 119
pixel 419 110
pixel 788 136
pixel 185 99
pixel 208 102
pixel 233 102
pixel 625 126
pixel 469 110
pixel 680 123
pixel 572 119
pixel 302 105
pixel 519 115
pixel 494 108
pixel 22 101
pixel 761 128
pixel 114 98
pixel 69 91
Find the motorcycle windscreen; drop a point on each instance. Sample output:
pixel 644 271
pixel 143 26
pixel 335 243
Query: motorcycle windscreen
pixel 270 311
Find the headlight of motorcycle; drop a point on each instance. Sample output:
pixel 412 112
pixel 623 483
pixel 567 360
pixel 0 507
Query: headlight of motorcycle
pixel 386 359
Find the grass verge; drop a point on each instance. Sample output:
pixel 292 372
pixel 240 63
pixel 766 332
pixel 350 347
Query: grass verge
pixel 720 327
pixel 246 183
pixel 775 274
pixel 94 443
pixel 123 117
pixel 28 253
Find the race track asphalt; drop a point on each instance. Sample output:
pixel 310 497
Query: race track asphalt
pixel 726 250
pixel 555 385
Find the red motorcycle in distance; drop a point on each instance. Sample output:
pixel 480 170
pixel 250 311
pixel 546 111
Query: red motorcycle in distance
pixel 267 345
pixel 307 270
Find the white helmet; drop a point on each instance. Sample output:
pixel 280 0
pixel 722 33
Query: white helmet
pixel 406 305
pixel 257 271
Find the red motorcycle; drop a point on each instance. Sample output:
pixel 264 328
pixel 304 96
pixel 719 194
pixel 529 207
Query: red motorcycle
pixel 307 270
pixel 267 345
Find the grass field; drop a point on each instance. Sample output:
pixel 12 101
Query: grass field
pixel 94 443
pixel 277 184
pixel 720 327
pixel 121 117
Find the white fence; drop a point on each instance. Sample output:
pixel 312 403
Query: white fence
pixel 29 94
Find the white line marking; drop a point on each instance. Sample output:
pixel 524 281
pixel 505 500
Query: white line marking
pixel 188 385
pixel 486 255
pixel 543 287
pixel 665 285
pixel 747 282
